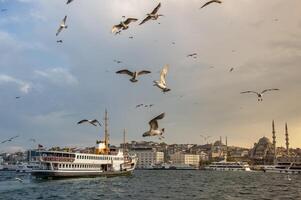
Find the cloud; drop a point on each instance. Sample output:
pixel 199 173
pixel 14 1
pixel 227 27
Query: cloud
pixel 58 76
pixel 23 85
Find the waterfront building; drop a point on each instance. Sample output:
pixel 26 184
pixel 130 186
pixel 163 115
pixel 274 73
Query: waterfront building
pixel 185 158
pixel 148 157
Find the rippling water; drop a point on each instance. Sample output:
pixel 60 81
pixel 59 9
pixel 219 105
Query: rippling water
pixel 156 185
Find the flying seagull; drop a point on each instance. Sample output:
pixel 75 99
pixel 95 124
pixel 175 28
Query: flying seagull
pixel 153 15
pixel 62 26
pixel 260 95
pixel 69 1
pixel 59 41
pixel 210 2
pixel 10 139
pixel 17 97
pixel 94 122
pixel 154 127
pixel 139 105
pixel 162 82
pixel 123 25
pixel 192 55
pixel 3 9
pixel 134 74
pixel 117 61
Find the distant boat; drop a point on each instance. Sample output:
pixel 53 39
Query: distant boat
pixel 284 167
pixel 228 166
pixel 26 167
pixel 8 167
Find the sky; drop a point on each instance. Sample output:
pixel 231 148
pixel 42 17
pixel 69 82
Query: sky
pixel 60 84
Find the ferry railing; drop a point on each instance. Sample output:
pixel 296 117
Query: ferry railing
pixel 57 159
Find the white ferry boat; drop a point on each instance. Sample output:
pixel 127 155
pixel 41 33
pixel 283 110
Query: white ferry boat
pixel 228 166
pixel 284 167
pixel 103 162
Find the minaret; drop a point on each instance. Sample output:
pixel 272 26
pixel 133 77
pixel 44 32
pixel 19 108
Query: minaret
pixel 286 140
pixel 226 156
pixel 274 142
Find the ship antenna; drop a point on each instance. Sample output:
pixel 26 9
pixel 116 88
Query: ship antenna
pixel 124 147
pixel 106 133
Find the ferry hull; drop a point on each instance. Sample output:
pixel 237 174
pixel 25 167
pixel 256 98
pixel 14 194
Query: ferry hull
pixel 54 174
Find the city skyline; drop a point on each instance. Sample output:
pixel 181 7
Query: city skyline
pixel 60 84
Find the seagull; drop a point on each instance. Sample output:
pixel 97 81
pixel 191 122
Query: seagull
pixel 94 122
pixel 123 25
pixel 232 68
pixel 19 179
pixel 10 139
pixel 18 97
pixel 192 55
pixel 59 41
pixel 162 83
pixel 69 1
pixel 288 177
pixel 62 26
pixel 260 95
pixel 134 74
pixel 210 2
pixel 131 37
pixel 117 61
pixel 3 9
pixel 154 127
pixel 139 105
pixel 153 15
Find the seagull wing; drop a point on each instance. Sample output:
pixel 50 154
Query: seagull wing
pixel 210 2
pixel 69 1
pixel 129 20
pixel 144 72
pixel 125 71
pixel 116 28
pixel 59 30
pixel 4 141
pixel 250 92
pixel 145 20
pixel 83 121
pixel 64 20
pixel 95 121
pixel 163 74
pixel 156 9
pixel 267 90
pixel 154 122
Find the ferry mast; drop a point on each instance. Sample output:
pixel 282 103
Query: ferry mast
pixel 107 149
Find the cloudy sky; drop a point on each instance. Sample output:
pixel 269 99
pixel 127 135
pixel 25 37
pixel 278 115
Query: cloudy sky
pixel 60 84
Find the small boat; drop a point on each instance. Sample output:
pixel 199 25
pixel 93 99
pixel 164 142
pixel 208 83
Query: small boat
pixel 26 167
